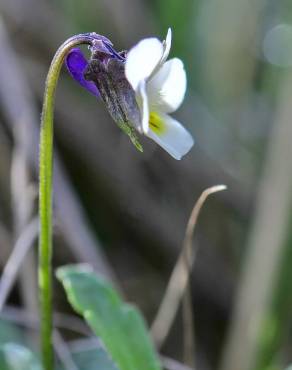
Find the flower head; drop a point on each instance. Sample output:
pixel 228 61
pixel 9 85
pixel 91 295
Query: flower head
pixel 140 89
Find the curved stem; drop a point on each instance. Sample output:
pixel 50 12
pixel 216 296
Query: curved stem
pixel 45 196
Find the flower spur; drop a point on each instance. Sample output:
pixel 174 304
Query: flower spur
pixel 140 88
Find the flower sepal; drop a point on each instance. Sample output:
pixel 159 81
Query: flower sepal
pixel 108 75
pixel 130 131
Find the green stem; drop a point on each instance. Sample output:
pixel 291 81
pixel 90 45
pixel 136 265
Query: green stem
pixel 45 196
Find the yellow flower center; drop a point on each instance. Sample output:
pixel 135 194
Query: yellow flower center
pixel 156 123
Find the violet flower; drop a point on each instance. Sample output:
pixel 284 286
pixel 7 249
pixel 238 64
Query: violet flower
pixel 139 88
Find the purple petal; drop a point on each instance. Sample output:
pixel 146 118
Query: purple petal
pixel 76 64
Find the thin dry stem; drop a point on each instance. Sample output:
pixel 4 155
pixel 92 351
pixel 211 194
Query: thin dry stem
pixel 188 326
pixel 63 321
pixel 23 195
pixel 180 275
pixel 170 364
pixel 11 269
pixel 63 351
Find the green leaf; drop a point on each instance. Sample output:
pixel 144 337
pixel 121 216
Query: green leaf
pixel 13 356
pixel 92 357
pixel 119 325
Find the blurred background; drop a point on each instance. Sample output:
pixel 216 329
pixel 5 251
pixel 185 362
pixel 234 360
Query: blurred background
pixel 126 212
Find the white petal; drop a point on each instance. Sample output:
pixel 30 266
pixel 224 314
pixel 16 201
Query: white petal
pixel 142 59
pixel 166 49
pixel 166 89
pixel 142 101
pixel 172 137
pixel 166 46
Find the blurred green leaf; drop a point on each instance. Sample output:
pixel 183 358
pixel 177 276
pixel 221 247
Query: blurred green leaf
pixel 119 325
pixel 13 356
pixel 10 333
pixel 93 358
